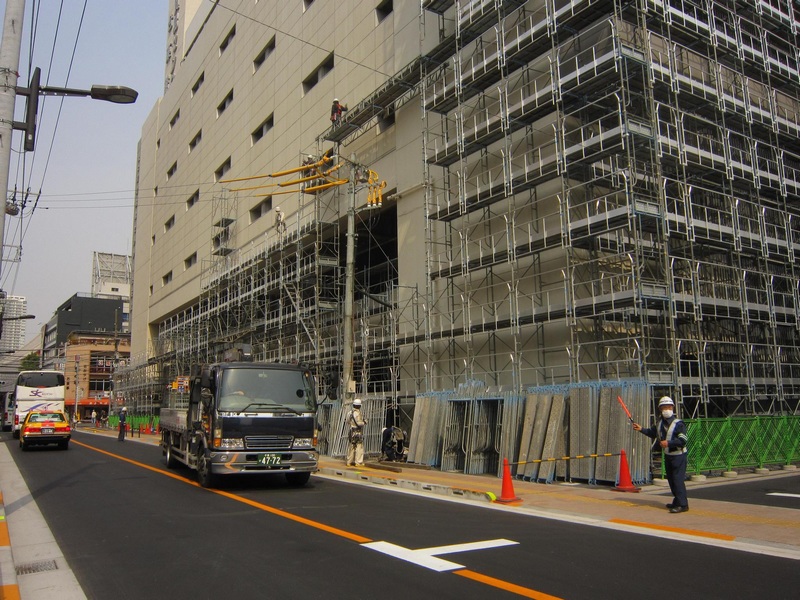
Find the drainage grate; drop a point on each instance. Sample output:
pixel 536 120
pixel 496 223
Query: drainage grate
pixel 36 567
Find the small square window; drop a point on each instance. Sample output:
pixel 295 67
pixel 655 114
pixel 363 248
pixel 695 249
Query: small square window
pixel 384 9
pixel 195 140
pixel 226 102
pixel 190 261
pixel 222 169
pixel 172 170
pixel 174 120
pixel 198 83
pixel 227 41
pixel 193 199
pixel 325 67
pixel 166 279
pixel 260 209
pixel 264 54
pixel 262 129
pixel 169 223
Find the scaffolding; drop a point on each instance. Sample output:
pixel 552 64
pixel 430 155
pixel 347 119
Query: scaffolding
pixel 611 195
pixel 611 190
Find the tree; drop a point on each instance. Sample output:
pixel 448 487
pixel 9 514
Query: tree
pixel 30 362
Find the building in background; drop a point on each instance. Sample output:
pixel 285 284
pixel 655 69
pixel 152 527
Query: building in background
pixel 13 328
pixel 90 359
pixel 579 192
pixel 79 313
pixel 111 278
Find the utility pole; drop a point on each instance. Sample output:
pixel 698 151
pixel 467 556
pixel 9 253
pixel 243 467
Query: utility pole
pixel 359 175
pixel 349 276
pixel 9 65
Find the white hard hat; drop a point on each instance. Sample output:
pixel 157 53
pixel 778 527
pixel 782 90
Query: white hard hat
pixel 665 401
pixel 335 99
pixel 124 408
pixel 356 403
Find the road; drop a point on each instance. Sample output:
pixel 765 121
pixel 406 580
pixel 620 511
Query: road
pixel 131 529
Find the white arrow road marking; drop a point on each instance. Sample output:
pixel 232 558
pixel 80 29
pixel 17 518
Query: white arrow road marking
pixel 783 494
pixel 426 557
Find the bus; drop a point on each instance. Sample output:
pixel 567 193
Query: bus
pixel 37 390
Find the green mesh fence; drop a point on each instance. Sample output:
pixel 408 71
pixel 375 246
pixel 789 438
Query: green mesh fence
pixel 136 422
pixel 725 444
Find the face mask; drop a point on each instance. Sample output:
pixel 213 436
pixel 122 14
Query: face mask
pixel 667 414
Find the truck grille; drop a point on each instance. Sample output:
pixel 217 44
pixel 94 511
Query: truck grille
pixel 268 442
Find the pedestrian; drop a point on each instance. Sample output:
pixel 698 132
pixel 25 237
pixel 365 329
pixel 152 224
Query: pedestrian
pixel 122 418
pixel 670 432
pixel 94 417
pixel 336 112
pixel 355 438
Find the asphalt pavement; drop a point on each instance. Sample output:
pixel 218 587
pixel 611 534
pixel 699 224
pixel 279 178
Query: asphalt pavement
pixel 729 512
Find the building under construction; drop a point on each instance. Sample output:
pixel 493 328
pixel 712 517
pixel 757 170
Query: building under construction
pixel 580 193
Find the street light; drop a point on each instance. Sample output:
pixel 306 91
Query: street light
pixel 18 318
pixel 117 94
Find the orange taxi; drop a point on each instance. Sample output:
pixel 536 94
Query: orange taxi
pixel 42 427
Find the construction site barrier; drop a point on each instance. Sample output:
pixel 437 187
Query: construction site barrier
pixel 576 457
pixel 728 443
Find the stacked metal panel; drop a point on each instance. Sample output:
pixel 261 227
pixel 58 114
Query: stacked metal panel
pixel 464 430
pixel 582 420
pixel 553 434
pixel 425 437
pixel 453 432
pixel 583 410
pixel 336 427
pixel 511 426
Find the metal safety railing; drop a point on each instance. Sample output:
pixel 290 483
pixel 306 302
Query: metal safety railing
pixel 736 442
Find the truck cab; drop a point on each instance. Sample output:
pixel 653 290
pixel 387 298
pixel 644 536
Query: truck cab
pixel 245 419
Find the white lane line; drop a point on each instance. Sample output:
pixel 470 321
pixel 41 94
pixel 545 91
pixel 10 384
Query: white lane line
pixel 426 557
pixel 785 495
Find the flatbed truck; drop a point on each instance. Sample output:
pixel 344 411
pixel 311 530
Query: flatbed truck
pixel 244 418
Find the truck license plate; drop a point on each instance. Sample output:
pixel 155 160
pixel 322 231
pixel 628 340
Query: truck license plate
pixel 269 460
pixel 46 430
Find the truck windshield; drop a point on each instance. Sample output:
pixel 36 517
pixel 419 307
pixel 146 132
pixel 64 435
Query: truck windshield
pixel 266 390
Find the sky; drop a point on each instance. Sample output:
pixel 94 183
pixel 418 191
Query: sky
pixel 85 158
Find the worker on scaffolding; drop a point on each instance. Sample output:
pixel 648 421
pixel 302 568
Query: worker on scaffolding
pixel 336 112
pixel 355 437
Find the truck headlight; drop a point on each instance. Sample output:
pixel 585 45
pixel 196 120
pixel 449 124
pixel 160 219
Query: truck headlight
pixel 229 443
pixel 302 442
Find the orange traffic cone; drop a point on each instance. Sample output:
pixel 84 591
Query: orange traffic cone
pixel 507 493
pixel 625 484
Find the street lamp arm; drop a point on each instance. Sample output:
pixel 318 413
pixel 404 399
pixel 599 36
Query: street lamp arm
pixel 117 94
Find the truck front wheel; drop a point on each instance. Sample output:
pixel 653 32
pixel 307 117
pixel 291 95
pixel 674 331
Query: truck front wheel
pixel 204 475
pixel 298 479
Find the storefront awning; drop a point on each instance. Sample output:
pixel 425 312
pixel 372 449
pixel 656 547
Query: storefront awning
pixel 88 402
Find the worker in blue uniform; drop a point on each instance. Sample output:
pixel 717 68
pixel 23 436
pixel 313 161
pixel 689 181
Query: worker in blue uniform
pixel 670 432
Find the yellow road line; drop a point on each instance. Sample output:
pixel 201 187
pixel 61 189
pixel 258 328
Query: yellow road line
pixel 505 585
pixel 695 532
pixel 485 579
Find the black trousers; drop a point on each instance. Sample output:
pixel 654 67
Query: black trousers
pixel 676 476
pixel 121 437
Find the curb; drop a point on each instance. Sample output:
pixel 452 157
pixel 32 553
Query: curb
pixel 418 486
pixel 9 588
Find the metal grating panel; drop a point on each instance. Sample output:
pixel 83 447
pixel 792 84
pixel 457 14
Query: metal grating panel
pixel 36 567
